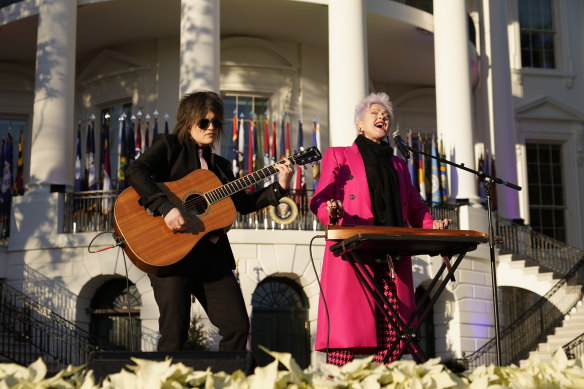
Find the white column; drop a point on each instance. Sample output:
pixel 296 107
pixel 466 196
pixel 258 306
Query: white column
pixel 500 99
pixel 453 94
pixel 199 46
pixel 348 77
pixel 53 111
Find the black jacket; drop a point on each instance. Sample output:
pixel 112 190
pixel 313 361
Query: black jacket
pixel 168 159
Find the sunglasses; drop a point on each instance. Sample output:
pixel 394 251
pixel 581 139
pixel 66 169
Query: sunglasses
pixel 204 123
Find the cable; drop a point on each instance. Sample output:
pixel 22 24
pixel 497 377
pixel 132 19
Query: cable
pixel 116 239
pixel 328 323
pixel 131 329
pixel 119 242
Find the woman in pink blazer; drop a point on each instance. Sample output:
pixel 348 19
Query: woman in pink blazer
pixel 365 184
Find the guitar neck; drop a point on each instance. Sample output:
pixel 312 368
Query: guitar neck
pixel 240 184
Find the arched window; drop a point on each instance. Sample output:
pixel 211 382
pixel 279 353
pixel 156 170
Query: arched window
pixel 115 315
pixel 280 320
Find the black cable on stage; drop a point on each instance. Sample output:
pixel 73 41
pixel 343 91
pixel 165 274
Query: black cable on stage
pixel 328 323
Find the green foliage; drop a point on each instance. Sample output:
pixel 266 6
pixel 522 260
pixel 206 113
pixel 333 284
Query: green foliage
pixel 198 339
pixel 361 373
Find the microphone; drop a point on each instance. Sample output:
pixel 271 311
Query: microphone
pixel 401 144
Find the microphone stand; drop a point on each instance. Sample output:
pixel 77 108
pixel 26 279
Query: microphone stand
pixel 488 182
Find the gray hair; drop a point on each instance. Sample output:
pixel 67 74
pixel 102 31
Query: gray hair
pixel 374 98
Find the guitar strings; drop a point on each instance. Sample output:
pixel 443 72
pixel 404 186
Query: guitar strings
pixel 200 201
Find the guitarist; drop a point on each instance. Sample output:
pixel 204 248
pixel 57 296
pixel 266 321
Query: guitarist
pixel 207 271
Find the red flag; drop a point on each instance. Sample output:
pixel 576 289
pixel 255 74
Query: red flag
pixel 274 140
pixel 234 132
pixel 250 146
pixel 288 149
pixel 18 183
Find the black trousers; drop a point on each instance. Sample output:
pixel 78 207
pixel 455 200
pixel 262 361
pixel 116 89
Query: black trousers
pixel 216 288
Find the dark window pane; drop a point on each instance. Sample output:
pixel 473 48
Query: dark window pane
pixel 559 217
pixel 526 58
pixel 525 40
pixel 561 234
pixel 549 59
pixel 531 151
pixel 546 195
pixel 534 196
pixel 544 155
pixel 532 173
pixel 545 184
pixel 536 58
pixel 546 15
pixel 545 173
pixel 558 195
pixel 535 217
pixel 548 41
pixel 536 33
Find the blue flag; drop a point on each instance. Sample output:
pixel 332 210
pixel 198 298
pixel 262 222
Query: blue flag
pixel 78 185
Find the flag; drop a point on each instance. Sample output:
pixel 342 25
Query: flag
pixel 443 177
pixel 155 129
pixel 91 183
pixel 251 145
pixel 421 175
pixel 266 139
pixel 130 143
pixel 101 151
pixel 7 168
pixel 122 159
pixel 273 141
pixel 234 127
pixel 435 178
pixel 107 182
pixel 315 143
pixel 78 185
pixel 6 186
pixel 240 145
pixel 5 200
pixel 288 147
pixel 138 143
pixel 412 167
pixel 146 134
pixel 19 183
pixel 300 181
pixel 283 138
pixel 234 138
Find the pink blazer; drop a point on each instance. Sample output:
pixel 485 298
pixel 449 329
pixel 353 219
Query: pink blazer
pixel 351 309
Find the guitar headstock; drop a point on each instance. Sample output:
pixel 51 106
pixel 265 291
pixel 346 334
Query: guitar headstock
pixel 311 154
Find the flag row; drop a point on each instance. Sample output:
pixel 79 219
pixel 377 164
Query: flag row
pixel 429 175
pixel 131 137
pixel 255 143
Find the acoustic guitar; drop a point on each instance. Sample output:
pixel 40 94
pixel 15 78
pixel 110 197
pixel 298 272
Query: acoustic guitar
pixel 205 204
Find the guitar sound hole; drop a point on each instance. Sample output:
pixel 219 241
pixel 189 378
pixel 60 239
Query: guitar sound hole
pixel 196 204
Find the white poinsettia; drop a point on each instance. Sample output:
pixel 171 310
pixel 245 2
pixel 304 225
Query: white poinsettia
pixel 561 372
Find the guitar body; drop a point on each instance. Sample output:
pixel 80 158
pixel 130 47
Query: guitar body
pixel 149 243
